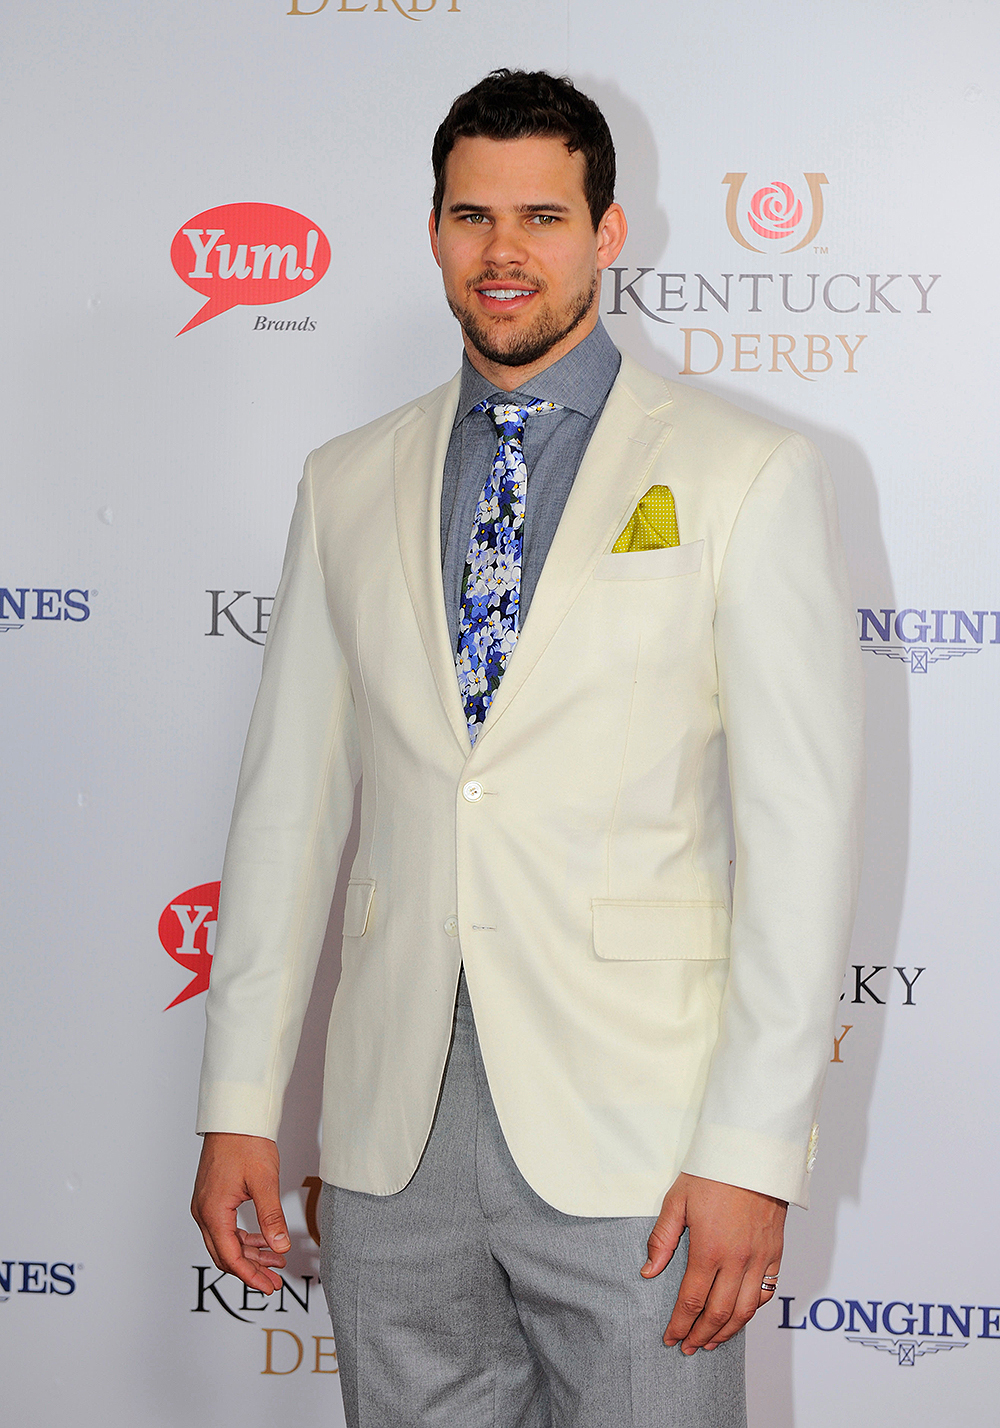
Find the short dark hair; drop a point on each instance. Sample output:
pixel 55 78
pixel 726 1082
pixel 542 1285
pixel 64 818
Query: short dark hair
pixel 519 104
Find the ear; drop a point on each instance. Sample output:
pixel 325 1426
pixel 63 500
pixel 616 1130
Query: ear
pixel 432 230
pixel 611 234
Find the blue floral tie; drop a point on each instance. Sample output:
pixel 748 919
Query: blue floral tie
pixel 488 617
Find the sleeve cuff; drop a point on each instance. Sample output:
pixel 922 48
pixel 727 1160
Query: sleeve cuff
pixel 238 1108
pixel 736 1156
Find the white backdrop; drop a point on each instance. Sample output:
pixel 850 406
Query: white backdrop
pixel 145 470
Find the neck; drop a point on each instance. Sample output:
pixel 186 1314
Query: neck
pixel 509 379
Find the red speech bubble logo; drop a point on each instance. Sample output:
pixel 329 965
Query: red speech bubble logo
pixel 248 254
pixel 187 932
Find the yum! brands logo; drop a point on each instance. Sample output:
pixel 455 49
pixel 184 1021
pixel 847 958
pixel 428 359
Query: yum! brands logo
pixel 775 213
pixel 187 934
pixel 248 255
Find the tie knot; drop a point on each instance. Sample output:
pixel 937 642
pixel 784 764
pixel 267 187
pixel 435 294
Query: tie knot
pixel 510 419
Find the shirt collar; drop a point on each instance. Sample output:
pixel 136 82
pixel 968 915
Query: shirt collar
pixel 581 380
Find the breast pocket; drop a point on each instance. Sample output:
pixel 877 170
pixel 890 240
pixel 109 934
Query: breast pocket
pixel 651 564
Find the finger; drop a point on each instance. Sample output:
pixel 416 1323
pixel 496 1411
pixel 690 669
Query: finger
pixel 226 1245
pixel 257 1250
pixel 270 1216
pixel 692 1297
pixel 251 1240
pixel 251 1237
pixel 266 1258
pixel 748 1301
pixel 229 1256
pixel 717 1312
pixel 769 1282
pixel 664 1238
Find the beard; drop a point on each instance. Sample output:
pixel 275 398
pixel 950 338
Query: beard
pixel 531 344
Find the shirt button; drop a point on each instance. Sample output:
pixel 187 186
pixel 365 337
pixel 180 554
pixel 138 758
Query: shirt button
pixel 472 792
pixel 451 926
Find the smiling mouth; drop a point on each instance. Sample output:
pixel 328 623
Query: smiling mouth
pixel 505 294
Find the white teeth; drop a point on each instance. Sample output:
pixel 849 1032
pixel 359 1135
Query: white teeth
pixel 505 294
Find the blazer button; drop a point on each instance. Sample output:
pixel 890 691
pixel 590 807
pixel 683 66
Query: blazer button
pixel 451 926
pixel 472 792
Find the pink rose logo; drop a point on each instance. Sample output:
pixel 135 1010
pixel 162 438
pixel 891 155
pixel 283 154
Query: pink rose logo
pixel 774 211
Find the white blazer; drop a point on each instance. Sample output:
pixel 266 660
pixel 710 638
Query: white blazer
pixel 635 1020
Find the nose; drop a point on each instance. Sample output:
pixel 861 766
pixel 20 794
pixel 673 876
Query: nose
pixel 506 245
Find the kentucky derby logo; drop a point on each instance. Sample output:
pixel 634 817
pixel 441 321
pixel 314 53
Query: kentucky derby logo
pixel 775 213
pixel 187 932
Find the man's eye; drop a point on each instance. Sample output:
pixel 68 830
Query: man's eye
pixel 545 219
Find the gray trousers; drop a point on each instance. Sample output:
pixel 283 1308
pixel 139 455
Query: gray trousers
pixel 466 1301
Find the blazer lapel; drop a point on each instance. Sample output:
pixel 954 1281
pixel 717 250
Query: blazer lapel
pixel 420 449
pixel 608 485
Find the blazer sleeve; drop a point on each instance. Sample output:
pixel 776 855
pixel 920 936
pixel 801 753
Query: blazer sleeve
pixel 791 701
pixel 294 807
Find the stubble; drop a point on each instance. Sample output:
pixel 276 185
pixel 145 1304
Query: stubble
pixel 510 347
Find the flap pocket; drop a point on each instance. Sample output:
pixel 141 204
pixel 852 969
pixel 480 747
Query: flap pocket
pixel 651 564
pixel 357 906
pixel 660 931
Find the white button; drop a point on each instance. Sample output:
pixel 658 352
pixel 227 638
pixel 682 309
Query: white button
pixel 451 926
pixel 473 792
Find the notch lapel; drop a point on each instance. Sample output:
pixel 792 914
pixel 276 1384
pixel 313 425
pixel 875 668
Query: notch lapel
pixel 608 485
pixel 418 467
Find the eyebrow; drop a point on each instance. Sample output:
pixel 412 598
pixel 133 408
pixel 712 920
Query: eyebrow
pixel 518 208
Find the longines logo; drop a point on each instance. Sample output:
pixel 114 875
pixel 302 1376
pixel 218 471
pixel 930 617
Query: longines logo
pixel 187 934
pixel 248 255
pixel 22 603
pixel 777 219
pixel 921 638
pixel 941 1326
pixel 775 212
pixel 36 1276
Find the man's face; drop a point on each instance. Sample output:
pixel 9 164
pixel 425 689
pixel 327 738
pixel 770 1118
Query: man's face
pixel 518 253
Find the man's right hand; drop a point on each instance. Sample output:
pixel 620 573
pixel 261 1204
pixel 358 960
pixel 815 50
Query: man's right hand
pixel 232 1170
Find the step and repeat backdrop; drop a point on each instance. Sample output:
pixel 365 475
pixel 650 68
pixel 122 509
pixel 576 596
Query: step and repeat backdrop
pixel 217 258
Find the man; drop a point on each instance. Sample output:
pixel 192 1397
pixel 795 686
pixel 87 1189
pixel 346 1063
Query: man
pixel 552 614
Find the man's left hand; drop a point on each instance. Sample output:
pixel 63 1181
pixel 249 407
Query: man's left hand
pixel 736 1238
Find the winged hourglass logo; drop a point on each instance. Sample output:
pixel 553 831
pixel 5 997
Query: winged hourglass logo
pixel 907 1351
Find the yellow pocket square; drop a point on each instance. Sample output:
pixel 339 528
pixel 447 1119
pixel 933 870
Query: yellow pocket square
pixel 652 525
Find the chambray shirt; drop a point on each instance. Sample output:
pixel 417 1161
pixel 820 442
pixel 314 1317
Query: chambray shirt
pixel 554 444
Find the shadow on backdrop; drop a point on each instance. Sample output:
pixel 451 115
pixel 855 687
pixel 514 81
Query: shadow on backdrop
pixel 298 1139
pixel 811 1239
